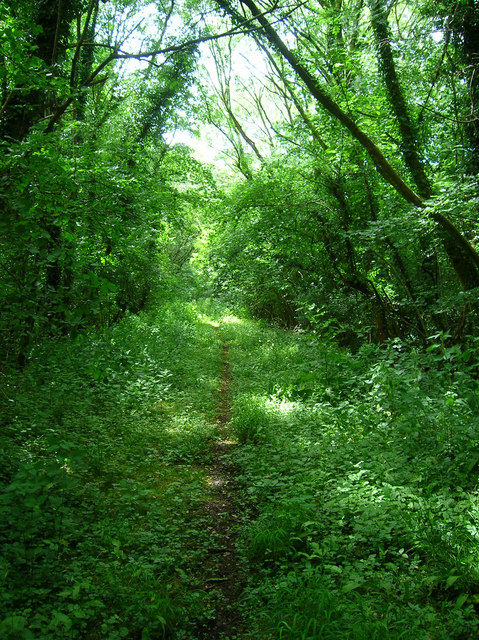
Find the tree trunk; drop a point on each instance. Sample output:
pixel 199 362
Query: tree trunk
pixel 407 130
pixel 464 21
pixel 461 254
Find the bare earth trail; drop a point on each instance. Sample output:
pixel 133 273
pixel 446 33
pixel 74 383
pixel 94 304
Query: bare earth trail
pixel 225 576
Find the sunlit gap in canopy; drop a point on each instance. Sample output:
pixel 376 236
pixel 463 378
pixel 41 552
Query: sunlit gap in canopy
pixel 247 66
pixel 141 31
pixel 139 28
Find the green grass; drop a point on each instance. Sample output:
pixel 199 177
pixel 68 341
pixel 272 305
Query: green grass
pixel 361 473
pixel 358 477
pixel 103 449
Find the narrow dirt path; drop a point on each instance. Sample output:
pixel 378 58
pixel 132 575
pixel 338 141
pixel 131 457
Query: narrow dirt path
pixel 224 574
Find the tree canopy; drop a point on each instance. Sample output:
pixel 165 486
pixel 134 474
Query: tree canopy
pixel 350 133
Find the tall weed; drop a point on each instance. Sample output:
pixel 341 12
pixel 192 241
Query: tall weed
pixel 362 485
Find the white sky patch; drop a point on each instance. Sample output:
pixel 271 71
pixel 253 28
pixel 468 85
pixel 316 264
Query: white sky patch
pixel 247 61
pixel 248 67
pixel 207 146
pixel 203 147
pixel 137 31
pixel 241 76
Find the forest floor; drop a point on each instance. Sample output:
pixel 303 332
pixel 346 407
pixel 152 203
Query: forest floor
pixel 197 476
pixel 222 507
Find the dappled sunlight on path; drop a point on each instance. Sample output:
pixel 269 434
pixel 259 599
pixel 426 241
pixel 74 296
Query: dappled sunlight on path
pixel 223 574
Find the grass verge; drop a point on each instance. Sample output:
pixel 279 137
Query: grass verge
pixel 103 451
pixel 362 471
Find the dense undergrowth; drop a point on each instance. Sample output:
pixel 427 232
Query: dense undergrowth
pixel 363 471
pixel 358 477
pixel 104 441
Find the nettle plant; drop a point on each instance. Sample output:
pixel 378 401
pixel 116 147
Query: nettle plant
pixel 360 469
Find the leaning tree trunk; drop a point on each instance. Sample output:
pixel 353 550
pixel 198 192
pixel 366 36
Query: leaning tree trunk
pixel 395 94
pixel 461 254
pixel 467 273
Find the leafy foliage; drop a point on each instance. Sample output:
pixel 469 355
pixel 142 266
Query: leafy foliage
pixel 101 446
pixel 314 228
pixel 364 485
pixel 356 429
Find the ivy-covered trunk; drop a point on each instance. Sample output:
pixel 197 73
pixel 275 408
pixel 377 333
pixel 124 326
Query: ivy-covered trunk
pixel 460 252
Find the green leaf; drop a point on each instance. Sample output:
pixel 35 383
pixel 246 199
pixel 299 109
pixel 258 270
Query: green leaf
pixel 63 619
pixel 350 586
pixel 451 580
pixel 461 600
